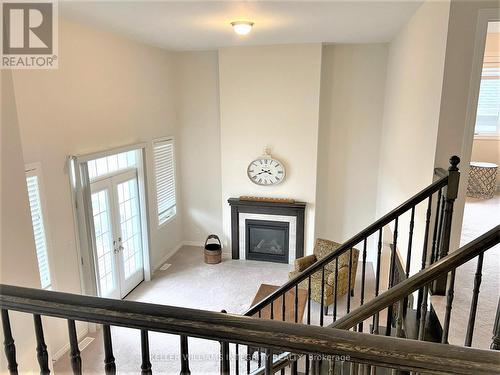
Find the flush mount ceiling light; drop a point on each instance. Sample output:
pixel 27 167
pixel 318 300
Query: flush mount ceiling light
pixel 242 27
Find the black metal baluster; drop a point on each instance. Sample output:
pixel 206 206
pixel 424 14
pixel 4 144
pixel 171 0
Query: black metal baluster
pixel 423 313
pixel 224 355
pixel 449 303
pixel 410 242
pixel 308 317
pixel 365 369
pixel 495 343
pixel 259 352
pixel 8 343
pixel 224 358
pixel 322 297
pixel 335 289
pixel 392 272
pixel 237 360
pixel 146 363
pixel 435 232
pixel 473 306
pixel 408 255
pixel 440 214
pixel 363 272
pixel 296 304
pixel 248 349
pixel 74 352
pixel 377 281
pixel 268 363
pixel 424 249
pixel 248 359
pixel 399 319
pixel 293 366
pixel 184 355
pixel 41 348
pixel 109 359
pixel 349 283
pixel 283 309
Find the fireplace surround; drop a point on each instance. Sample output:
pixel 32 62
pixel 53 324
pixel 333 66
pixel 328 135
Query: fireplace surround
pixel 267 231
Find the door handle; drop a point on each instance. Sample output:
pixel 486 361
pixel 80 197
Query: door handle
pixel 115 250
pixel 120 247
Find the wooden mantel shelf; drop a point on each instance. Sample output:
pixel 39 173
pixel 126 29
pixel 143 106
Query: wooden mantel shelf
pixel 247 202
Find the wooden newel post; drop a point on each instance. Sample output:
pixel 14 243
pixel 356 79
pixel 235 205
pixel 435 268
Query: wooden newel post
pixel 450 195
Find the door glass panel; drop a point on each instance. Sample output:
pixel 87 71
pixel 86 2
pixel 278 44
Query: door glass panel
pixel 103 239
pixel 112 163
pixel 130 226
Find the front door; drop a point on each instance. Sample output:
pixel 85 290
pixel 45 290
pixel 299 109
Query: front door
pixel 117 234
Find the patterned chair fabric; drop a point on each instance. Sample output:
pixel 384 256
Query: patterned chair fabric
pixel 321 249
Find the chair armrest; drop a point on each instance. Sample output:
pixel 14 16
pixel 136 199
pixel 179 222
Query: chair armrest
pixel 302 263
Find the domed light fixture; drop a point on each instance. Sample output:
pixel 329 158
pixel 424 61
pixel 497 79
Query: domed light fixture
pixel 242 27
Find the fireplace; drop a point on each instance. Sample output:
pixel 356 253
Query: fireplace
pixel 267 240
pixel 267 231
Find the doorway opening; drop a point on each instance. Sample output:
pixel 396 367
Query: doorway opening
pixel 482 207
pixel 482 202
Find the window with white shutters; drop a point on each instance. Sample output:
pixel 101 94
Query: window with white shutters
pixel 164 170
pixel 37 219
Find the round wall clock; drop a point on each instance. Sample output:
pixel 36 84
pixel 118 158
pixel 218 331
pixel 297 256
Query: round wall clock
pixel 266 171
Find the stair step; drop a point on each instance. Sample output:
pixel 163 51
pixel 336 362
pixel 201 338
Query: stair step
pixel 432 326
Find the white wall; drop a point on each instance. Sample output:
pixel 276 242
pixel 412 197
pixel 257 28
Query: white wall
pixel 17 251
pixel 107 92
pixel 411 114
pixel 269 96
pixel 351 110
pixel 199 143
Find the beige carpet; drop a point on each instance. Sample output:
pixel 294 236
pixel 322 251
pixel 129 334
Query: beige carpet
pixel 189 282
pixel 479 217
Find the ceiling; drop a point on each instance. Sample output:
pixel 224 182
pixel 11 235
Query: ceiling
pixel 204 25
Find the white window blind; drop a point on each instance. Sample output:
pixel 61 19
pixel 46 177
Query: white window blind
pixel 164 169
pixel 37 218
pixel 488 107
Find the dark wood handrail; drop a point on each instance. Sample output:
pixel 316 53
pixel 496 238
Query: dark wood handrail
pixel 420 279
pixel 368 231
pixel 440 172
pixel 296 338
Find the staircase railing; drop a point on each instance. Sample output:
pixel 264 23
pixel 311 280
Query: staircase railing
pixel 423 280
pixel 274 336
pixel 439 196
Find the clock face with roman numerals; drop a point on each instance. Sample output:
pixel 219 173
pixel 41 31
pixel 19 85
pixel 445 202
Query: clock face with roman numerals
pixel 266 171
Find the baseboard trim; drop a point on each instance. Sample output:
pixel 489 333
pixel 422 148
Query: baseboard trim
pixel 177 248
pixel 167 255
pixel 61 352
pixel 193 243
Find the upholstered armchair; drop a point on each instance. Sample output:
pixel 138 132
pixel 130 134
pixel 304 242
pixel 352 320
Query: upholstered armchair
pixel 321 249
